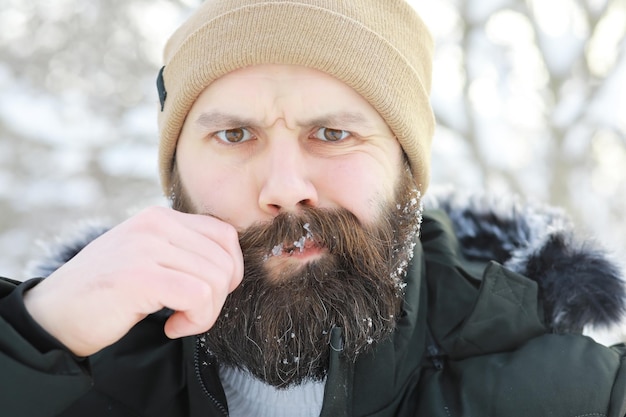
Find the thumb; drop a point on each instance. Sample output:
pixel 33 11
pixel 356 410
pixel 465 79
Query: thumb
pixel 179 325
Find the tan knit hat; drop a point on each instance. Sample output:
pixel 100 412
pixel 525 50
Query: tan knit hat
pixel 380 48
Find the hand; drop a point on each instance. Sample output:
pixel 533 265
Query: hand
pixel 158 258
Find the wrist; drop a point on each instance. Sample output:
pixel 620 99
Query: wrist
pixel 45 317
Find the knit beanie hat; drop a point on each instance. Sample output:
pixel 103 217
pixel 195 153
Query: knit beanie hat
pixel 380 48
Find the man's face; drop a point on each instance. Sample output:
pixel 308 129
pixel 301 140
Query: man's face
pixel 326 208
pixel 269 139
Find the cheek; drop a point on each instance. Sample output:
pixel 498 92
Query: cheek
pixel 358 185
pixel 220 191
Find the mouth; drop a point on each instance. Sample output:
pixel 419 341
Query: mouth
pixel 306 246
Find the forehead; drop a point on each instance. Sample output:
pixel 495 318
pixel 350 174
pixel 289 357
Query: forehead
pixel 278 76
pixel 281 88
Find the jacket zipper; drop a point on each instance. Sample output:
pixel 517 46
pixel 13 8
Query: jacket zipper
pixel 196 360
pixel 438 357
pixel 338 390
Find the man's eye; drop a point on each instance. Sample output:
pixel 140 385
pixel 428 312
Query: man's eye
pixel 331 135
pixel 237 135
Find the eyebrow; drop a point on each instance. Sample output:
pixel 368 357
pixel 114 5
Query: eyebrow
pixel 216 119
pixel 341 119
pixel 213 120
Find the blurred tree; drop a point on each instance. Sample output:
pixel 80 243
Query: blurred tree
pixel 530 97
pixel 77 113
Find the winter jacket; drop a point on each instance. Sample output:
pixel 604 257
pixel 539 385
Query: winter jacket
pixel 495 303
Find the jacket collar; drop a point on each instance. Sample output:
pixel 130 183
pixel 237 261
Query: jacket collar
pixel 468 300
pixel 579 284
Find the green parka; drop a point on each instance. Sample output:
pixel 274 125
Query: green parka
pixel 472 341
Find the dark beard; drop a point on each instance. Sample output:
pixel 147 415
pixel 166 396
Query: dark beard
pixel 278 328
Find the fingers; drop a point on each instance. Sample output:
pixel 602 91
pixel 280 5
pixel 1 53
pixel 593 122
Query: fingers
pixel 179 325
pixel 205 236
pixel 197 266
pixel 197 301
pixel 210 240
pixel 197 305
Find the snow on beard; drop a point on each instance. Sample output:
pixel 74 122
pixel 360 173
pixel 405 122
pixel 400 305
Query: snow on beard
pixel 277 323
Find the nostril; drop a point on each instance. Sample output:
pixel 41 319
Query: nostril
pixel 274 207
pixel 306 203
pixel 278 194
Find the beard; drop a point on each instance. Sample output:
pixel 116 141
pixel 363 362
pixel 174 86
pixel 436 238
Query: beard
pixel 277 323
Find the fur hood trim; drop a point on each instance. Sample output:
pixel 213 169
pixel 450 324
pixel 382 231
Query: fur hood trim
pixel 580 286
pixel 65 246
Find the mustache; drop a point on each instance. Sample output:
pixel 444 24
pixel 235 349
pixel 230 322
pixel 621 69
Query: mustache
pixel 337 231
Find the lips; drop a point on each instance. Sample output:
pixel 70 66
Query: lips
pixel 296 248
pixel 304 244
pixel 309 247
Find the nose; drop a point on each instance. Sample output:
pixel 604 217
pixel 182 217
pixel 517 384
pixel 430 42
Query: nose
pixel 285 182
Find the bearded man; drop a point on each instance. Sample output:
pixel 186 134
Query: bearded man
pixel 297 273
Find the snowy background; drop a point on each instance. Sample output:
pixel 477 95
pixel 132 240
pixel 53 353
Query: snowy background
pixel 530 98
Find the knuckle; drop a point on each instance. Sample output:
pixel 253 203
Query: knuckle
pixel 230 233
pixel 221 284
pixel 204 293
pixel 228 272
pixel 149 218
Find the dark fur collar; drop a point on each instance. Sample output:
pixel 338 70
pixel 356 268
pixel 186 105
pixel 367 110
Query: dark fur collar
pixel 582 289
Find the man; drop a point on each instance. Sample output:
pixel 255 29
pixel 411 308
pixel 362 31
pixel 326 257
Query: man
pixel 296 275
